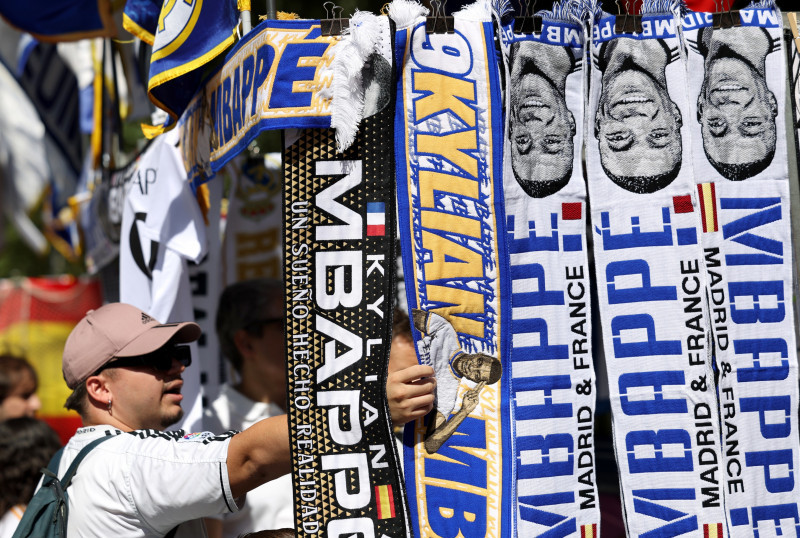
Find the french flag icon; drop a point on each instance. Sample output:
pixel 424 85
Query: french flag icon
pixel 376 219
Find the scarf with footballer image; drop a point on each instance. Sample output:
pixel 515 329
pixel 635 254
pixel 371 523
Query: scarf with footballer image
pixel 339 251
pixel 737 80
pixel 651 280
pixel 448 153
pixel 551 371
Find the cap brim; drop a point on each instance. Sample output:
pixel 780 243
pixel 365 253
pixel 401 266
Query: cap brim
pixel 158 335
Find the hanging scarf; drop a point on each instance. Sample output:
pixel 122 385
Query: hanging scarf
pixel 736 88
pixel 339 272
pixel 651 280
pixel 448 122
pixel 552 388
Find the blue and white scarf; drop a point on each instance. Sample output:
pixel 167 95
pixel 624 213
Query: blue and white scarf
pixel 737 79
pixel 448 155
pixel 651 280
pixel 551 386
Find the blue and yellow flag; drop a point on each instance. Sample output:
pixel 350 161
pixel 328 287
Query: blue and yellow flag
pixel 61 20
pixel 190 33
pixel 140 18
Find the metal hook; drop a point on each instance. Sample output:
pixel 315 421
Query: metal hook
pixel 529 22
pixel 725 18
pixel 621 26
pixel 334 24
pixel 327 6
pixel 439 23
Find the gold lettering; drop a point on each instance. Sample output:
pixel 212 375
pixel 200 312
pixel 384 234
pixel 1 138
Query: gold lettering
pixel 446 93
pixel 464 302
pixel 451 147
pixel 470 264
pixel 436 181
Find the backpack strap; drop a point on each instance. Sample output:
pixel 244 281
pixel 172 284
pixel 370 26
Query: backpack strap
pixel 67 478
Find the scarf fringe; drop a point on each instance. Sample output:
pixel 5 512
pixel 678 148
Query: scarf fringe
pixel 590 10
pixel 660 7
pixel 762 4
pixel 405 12
pixel 564 11
pixel 349 56
pixel 480 10
pixel 502 8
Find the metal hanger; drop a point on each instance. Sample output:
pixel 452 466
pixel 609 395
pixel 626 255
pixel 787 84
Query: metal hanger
pixel 334 24
pixel 627 23
pixel 725 19
pixel 439 22
pixel 528 22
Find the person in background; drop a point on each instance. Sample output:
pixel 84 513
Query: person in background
pixel 26 445
pixel 18 384
pixel 125 370
pixel 249 325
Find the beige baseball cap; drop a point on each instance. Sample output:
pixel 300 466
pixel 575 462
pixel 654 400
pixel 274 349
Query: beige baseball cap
pixel 117 330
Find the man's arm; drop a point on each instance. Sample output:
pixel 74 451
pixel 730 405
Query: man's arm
pixel 440 431
pixel 259 454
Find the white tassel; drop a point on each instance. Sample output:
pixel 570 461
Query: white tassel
pixel 349 57
pixel 481 10
pixel 404 13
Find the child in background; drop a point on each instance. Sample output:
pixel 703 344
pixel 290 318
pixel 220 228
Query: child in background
pixel 18 384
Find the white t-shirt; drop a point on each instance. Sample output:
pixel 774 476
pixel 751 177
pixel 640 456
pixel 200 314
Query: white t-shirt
pixel 10 521
pixel 438 348
pixel 145 483
pixel 163 229
pixel 271 505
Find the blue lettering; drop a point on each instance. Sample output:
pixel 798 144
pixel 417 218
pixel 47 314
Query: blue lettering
pixel 658 404
pixel 755 290
pixel 659 462
pixel 288 72
pixel 636 238
pixel 544 351
pixel 748 222
pixel 546 384
pixel 544 444
pixel 762 404
pixel 264 59
pixel 456 512
pixel 651 347
pixel 636 294
pixel 533 242
pixel 768 458
pixel 541 296
pixel 755 348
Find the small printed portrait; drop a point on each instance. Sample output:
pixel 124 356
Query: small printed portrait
pixel 735 108
pixel 441 349
pixel 637 124
pixel 542 129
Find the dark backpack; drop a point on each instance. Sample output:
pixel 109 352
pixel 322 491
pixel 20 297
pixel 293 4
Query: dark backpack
pixel 46 514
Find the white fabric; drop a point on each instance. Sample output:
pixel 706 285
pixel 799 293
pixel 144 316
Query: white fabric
pixel 651 280
pixel 545 201
pixel 144 483
pixel 744 72
pixel 170 228
pixel 10 521
pixel 438 348
pixel 271 505
pixel 252 237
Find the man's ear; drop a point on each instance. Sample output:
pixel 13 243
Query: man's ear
pixel 98 389
pixel 773 104
pixel 700 107
pixel 244 343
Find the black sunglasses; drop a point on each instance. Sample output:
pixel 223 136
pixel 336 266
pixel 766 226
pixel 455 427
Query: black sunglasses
pixel 160 359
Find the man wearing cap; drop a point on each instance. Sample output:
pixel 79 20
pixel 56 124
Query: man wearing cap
pixel 250 329
pixel 124 368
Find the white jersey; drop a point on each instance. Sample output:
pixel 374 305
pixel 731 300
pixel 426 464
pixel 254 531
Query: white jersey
pixel 163 229
pixel 271 505
pixel 438 348
pixel 10 521
pixel 145 483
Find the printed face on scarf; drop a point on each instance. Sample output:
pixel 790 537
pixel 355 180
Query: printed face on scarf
pixel 638 130
pixel 737 113
pixel 542 128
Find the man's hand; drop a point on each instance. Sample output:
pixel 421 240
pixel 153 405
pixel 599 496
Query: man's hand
pixel 410 392
pixel 472 397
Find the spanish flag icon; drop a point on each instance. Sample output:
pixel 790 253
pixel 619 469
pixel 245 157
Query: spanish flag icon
pixel 384 498
pixel 712 530
pixel 708 206
pixel 589 531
